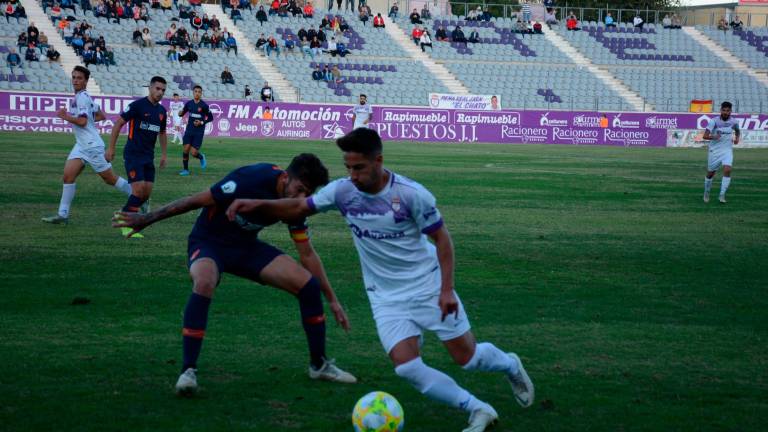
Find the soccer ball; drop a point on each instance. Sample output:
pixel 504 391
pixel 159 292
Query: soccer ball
pixel 378 412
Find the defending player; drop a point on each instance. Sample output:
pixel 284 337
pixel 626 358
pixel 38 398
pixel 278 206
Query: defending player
pixel 146 119
pixel 218 246
pixel 199 116
pixel 409 281
pixel 722 133
pixel 176 107
pixel 83 113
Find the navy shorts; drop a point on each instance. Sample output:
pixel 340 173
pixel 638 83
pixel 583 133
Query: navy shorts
pixel 196 140
pixel 140 170
pixel 246 261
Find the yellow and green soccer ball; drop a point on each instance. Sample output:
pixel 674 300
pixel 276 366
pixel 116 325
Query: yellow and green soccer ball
pixel 378 412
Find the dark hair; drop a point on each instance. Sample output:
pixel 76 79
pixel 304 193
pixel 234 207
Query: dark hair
pixel 726 104
pixel 363 95
pixel 197 86
pixel 308 169
pixel 157 79
pixel 83 70
pixel 361 140
pixel 175 94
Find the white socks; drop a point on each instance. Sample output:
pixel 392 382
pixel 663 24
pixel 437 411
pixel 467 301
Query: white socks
pixel 707 185
pixel 67 195
pixel 488 358
pixel 123 186
pixel 437 385
pixel 724 185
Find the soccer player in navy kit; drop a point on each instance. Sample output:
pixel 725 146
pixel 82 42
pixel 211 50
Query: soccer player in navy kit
pixel 199 116
pixel 146 119
pixel 218 246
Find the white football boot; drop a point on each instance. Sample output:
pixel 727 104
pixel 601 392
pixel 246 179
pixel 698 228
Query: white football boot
pixel 330 372
pixel 187 383
pixel 521 383
pixel 481 419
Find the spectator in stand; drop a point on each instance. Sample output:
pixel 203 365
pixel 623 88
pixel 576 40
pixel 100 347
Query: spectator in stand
pixel 52 54
pixel 416 34
pixel 261 42
pixel 21 41
pixel 146 38
pixel 274 7
pixel 302 33
pixel 166 4
pixel 474 14
pixel 272 45
pixel 457 35
pixel 332 47
pixel 315 47
pixel 338 5
pixel 231 43
pixel 32 33
pixel 215 23
pixel 20 12
pixel 666 22
pixel 415 17
pixel 55 13
pixel 68 4
pixel 425 13
pixel 521 27
pixel 317 74
pixel 42 42
pixel 441 34
pixel 722 24
pixel 638 22
pixel 235 14
pixel 336 73
pixel 324 23
pixel 537 28
pixel 194 41
pixel 31 54
pixel 677 23
pixel 247 93
pixel 155 4
pixel 486 14
pixel 261 16
pixel 550 17
pixel 305 48
pixel 267 95
pixel 609 22
pixel 342 50
pixel 136 36
pixel 474 36
pixel 393 11
pixel 294 8
pixel 196 22
pixel 226 76
pixel 205 39
pixel 308 11
pixel 378 21
pixel 109 57
pixel 363 14
pixel 13 59
pixel 172 54
pixel 350 4
pixel 425 41
pixel 189 56
pixel 289 44
pixel 572 24
pixel 526 9
pixel 736 23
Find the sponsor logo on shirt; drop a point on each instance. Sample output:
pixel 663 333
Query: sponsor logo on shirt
pixel 149 126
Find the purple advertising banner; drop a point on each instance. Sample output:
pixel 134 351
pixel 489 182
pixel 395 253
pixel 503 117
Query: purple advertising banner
pixel 36 112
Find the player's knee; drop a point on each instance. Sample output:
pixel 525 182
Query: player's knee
pixel 204 286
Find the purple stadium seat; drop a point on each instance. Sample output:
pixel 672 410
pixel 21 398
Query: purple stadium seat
pixel 366 67
pixel 375 68
pixel 11 78
pixel 379 80
pixel 3 77
pixel 22 78
pixel 392 68
pixel 3 49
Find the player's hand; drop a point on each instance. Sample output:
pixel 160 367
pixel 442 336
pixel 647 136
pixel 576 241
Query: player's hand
pixel 198 122
pixel 448 304
pixel 61 113
pixel 162 161
pixel 136 221
pixel 241 206
pixel 736 141
pixel 340 315
pixel 109 155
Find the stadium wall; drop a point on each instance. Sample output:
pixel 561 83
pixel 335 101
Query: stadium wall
pixel 36 112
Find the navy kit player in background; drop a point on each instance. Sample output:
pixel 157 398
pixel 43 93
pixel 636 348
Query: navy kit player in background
pixel 146 119
pixel 218 246
pixel 83 113
pixel 199 116
pixel 722 133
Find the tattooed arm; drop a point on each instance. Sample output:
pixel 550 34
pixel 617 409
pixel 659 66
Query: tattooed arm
pixel 140 221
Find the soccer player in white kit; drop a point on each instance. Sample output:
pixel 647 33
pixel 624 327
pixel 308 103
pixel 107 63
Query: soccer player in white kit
pixel 722 133
pixel 362 113
pixel 409 280
pixel 176 106
pixel 83 112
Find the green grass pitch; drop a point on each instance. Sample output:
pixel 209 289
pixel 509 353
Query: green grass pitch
pixel 634 305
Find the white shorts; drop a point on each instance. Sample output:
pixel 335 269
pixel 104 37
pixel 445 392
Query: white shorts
pixel 398 321
pixel 176 121
pixel 717 158
pixel 93 156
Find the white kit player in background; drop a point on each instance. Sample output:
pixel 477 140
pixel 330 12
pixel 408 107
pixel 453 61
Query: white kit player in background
pixel 409 280
pixel 722 133
pixel 176 106
pixel 362 113
pixel 83 113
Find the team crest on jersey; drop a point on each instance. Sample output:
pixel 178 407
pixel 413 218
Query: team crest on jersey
pixel 161 117
pixel 199 110
pixel 229 187
pixel 132 174
pixel 396 204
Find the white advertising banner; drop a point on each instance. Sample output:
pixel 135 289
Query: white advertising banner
pixel 465 102
pixel 695 138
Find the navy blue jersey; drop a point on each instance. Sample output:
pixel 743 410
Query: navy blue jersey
pixel 257 181
pixel 197 111
pixel 145 121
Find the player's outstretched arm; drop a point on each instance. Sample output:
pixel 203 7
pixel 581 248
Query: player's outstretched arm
pixel 78 121
pixel 99 116
pixel 110 153
pixel 311 261
pixel 138 221
pixel 283 209
pixel 444 245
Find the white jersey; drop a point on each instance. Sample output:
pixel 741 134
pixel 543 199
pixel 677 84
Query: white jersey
pixel 176 108
pixel 726 129
pixel 83 106
pixel 362 114
pixel 389 228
